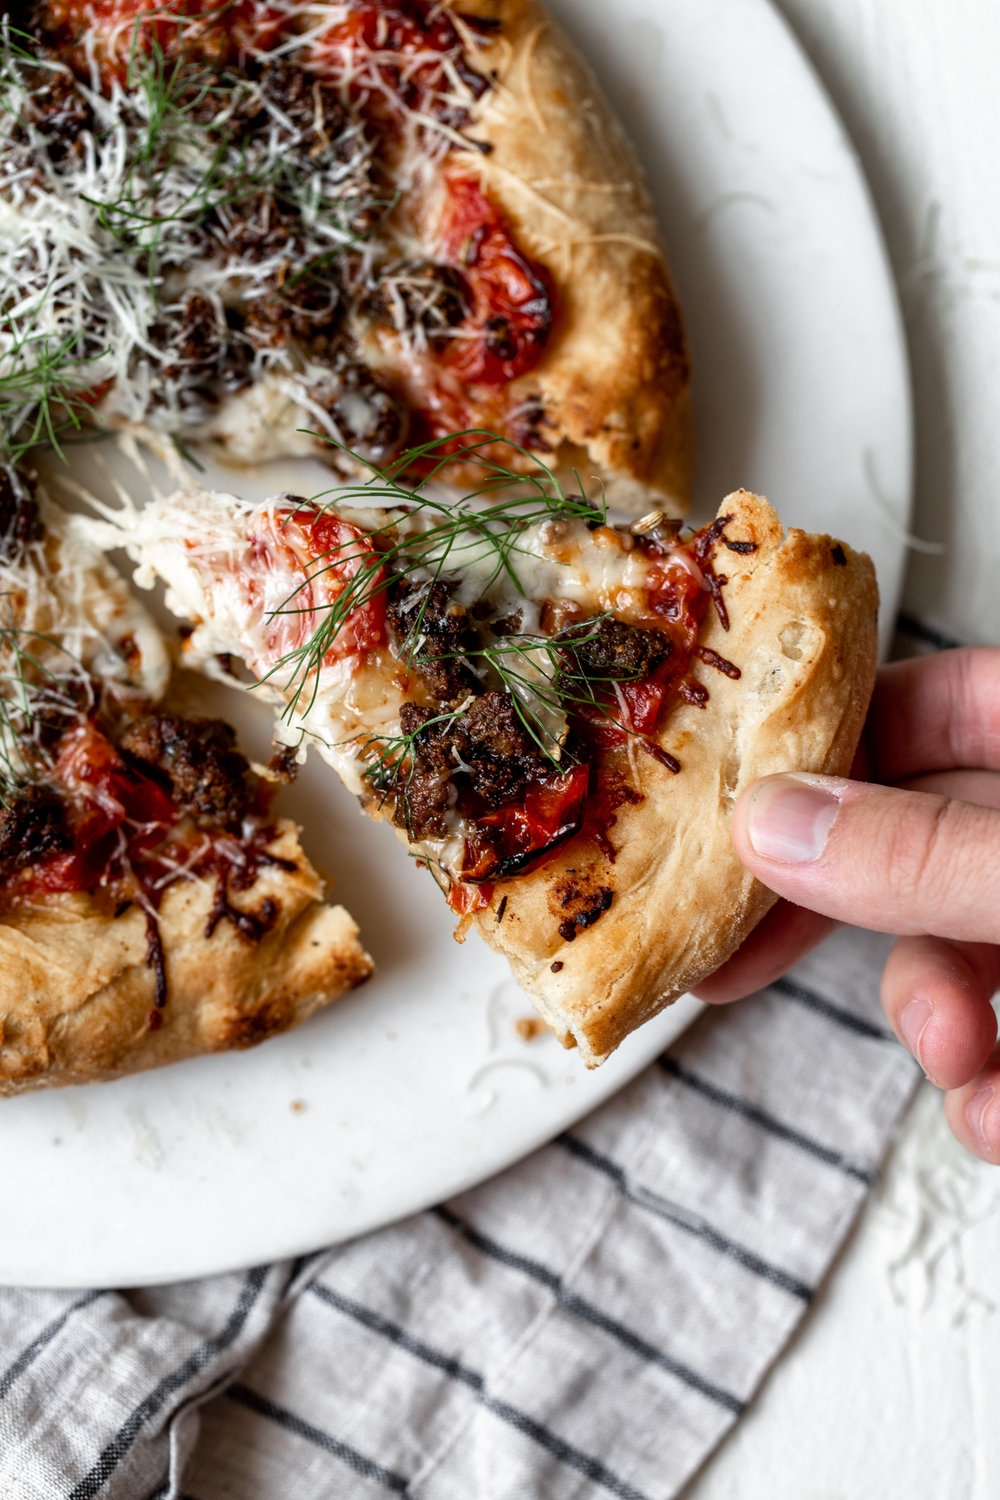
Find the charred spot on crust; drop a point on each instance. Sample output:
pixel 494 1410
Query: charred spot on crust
pixel 585 907
pixel 430 631
pixel 244 1031
pixel 838 555
pixel 32 828
pixel 19 521
pixel 198 758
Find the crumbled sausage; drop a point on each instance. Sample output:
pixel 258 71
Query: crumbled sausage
pixel 607 647
pixel 430 632
pixel 200 355
pixel 306 310
pixel 424 792
pixel 483 756
pixel 422 295
pixel 32 827
pixel 368 417
pixel 19 523
pixel 54 105
pixel 198 758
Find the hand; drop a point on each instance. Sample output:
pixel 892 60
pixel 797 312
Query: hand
pixel 918 856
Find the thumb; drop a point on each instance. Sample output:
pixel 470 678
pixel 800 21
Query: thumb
pixel 893 861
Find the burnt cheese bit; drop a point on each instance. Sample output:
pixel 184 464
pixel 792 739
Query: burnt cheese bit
pixel 369 419
pixel 606 647
pixel 430 633
pixel 32 827
pixel 207 775
pixel 19 520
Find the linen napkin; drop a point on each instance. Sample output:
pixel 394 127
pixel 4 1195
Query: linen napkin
pixel 589 1323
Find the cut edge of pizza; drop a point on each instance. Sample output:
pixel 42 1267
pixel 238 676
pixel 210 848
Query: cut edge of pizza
pixel 560 740
pixel 151 906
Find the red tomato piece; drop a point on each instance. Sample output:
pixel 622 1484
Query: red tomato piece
pixel 463 898
pixel 298 564
pixel 505 333
pixel 514 837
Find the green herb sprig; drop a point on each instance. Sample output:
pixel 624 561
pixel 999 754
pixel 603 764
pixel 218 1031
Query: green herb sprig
pixel 486 522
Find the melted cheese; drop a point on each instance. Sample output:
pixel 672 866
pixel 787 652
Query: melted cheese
pixel 67 617
pixel 235 569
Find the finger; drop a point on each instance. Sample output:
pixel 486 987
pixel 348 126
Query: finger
pixel 935 713
pixel 981 787
pixel 784 936
pixel 936 996
pixel 974 1113
pixel 888 860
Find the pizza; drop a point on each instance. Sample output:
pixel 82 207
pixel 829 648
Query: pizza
pixel 348 229
pixel 152 906
pixel 556 713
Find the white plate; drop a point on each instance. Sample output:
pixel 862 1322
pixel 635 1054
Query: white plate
pixel 417 1086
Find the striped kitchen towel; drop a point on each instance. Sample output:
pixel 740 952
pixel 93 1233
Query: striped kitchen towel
pixel 590 1323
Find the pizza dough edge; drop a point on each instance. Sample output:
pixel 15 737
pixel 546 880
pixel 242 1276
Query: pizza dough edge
pixel 803 631
pixel 77 994
pixel 616 373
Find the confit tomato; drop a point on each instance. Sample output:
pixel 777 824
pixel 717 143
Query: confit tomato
pixel 110 809
pixel 299 565
pixel 515 837
pixel 394 56
pixel 506 330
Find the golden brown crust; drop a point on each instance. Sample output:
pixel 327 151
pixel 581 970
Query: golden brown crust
pixel 615 377
pixel 676 901
pixel 77 995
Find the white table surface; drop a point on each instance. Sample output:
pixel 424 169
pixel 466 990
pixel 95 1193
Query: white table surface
pixel 890 1389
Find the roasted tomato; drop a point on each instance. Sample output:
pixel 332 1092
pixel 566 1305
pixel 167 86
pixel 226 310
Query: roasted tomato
pixel 505 334
pixel 300 562
pixel 515 837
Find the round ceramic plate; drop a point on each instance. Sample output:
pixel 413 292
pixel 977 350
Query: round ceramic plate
pixel 419 1085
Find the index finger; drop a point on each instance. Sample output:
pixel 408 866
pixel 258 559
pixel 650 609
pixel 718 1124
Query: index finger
pixel 935 713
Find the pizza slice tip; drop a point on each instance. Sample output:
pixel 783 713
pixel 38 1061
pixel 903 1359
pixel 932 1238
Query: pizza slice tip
pixel 556 714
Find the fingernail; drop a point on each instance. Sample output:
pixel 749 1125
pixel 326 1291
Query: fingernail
pixel 976 1112
pixel 789 818
pixel 913 1022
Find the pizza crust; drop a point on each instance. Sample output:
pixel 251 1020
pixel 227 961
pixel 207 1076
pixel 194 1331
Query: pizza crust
pixel 802 611
pixel 77 995
pixel 615 378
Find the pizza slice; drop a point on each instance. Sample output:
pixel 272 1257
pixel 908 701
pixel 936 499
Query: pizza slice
pixel 557 714
pixel 284 228
pixel 151 905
